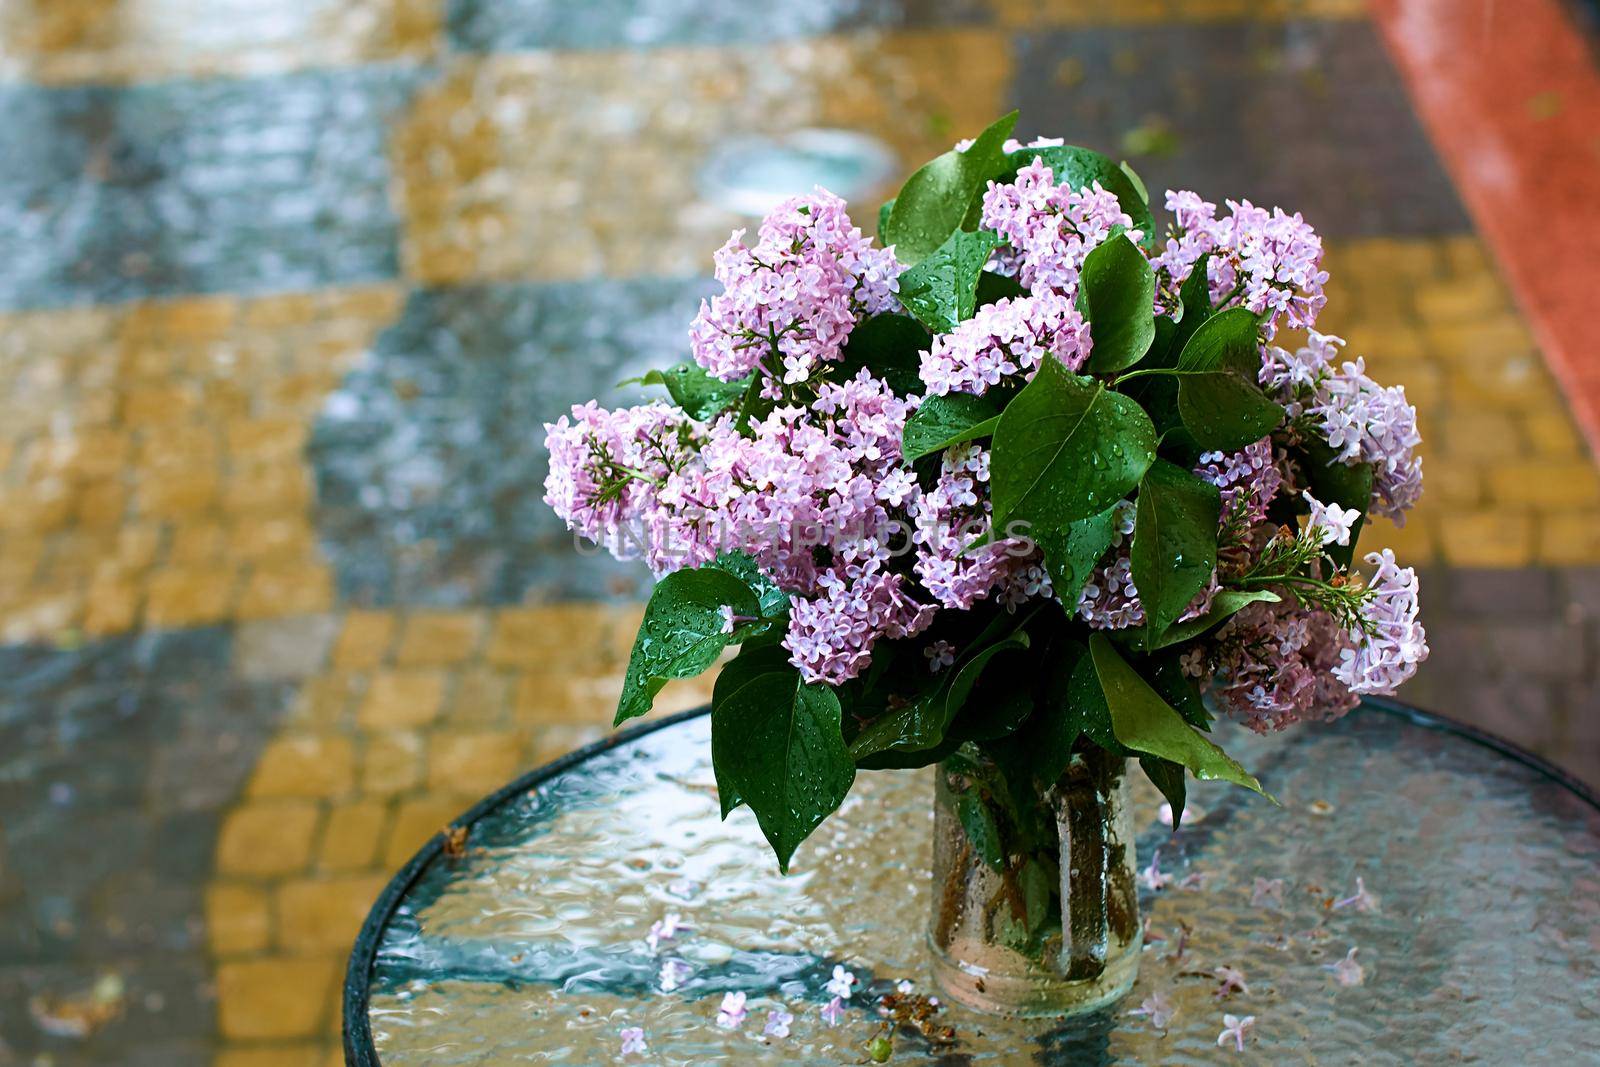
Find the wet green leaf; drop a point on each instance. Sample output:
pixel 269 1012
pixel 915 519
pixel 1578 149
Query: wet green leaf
pixel 983 833
pixel 933 201
pixel 891 347
pixel 1144 722
pixel 1174 542
pixel 778 744
pixel 1225 604
pixel 1066 448
pixel 1335 482
pixel 1070 554
pixel 1117 295
pixel 699 394
pixel 952 419
pixel 942 290
pixel 682 633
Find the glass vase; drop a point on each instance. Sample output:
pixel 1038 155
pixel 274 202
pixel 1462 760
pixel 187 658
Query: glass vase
pixel 1035 906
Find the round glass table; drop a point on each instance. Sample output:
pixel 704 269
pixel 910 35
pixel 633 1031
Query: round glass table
pixel 1424 894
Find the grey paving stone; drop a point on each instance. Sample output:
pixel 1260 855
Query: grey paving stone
pixel 196 186
pixel 510 25
pixel 430 459
pixel 1306 115
pixel 1515 593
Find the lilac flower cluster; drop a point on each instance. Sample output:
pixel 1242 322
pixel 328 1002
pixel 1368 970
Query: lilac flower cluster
pixel 788 304
pixel 1393 642
pixel 1004 339
pixel 1249 480
pixel 1361 420
pixel 1273 665
pixel 1268 261
pixel 952 515
pixel 605 468
pixel 1050 228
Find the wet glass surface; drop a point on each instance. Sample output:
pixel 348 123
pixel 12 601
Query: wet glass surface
pixel 1476 933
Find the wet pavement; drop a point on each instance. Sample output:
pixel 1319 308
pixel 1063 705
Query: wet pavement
pixel 287 291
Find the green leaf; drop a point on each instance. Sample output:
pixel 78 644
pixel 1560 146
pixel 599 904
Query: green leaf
pixel 1070 554
pixel 983 833
pixel 891 347
pixel 912 727
pixel 1081 167
pixel 1144 722
pixel 1117 292
pixel 1218 399
pixel 1042 747
pixel 1138 182
pixel 1174 542
pixel 942 290
pixel 993 287
pixel 1066 448
pixel 883 218
pixel 933 201
pixel 1168 778
pixel 994 704
pixel 1336 482
pixel 681 634
pixel 699 394
pixel 753 407
pixel 1224 412
pixel 1225 341
pixel 1224 605
pixel 1164 671
pixel 778 743
pixel 773 601
pixel 1083 688
pixel 952 419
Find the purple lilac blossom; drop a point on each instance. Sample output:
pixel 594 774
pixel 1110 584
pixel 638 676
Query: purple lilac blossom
pixel 1248 478
pixel 948 518
pixel 1273 666
pixel 1270 262
pixel 795 296
pixel 1395 643
pixel 1050 228
pixel 606 467
pixel 1367 423
pixel 1005 339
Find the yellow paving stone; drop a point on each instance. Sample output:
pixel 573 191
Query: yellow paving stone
pixel 1546 484
pixel 580 636
pixel 352 836
pixel 189 596
pixel 324 914
pixel 111 607
pixel 473 764
pixel 138 543
pixel 277 997
pixel 267 838
pixel 264 539
pixel 238 918
pixel 391 763
pixel 1479 435
pixel 438 638
pixel 482 697
pixel 633 205
pixel 402 698
pixel 365 640
pixel 272 491
pixel 47 613
pixel 327 701
pixel 1415 542
pixel 177 494
pixel 304 765
pixel 1553 434
pixel 101 505
pixel 1501 538
pixel 118 41
pixel 415 822
pixel 200 543
pixel 1569 538
pixel 267 440
pixel 273 1055
pixel 550 742
pixel 277 590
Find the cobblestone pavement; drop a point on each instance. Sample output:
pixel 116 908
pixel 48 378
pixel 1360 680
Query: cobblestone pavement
pixel 288 289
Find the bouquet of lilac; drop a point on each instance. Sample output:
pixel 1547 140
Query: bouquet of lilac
pixel 1031 476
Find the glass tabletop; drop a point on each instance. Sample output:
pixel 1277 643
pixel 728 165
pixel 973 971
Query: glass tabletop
pixel 1464 875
